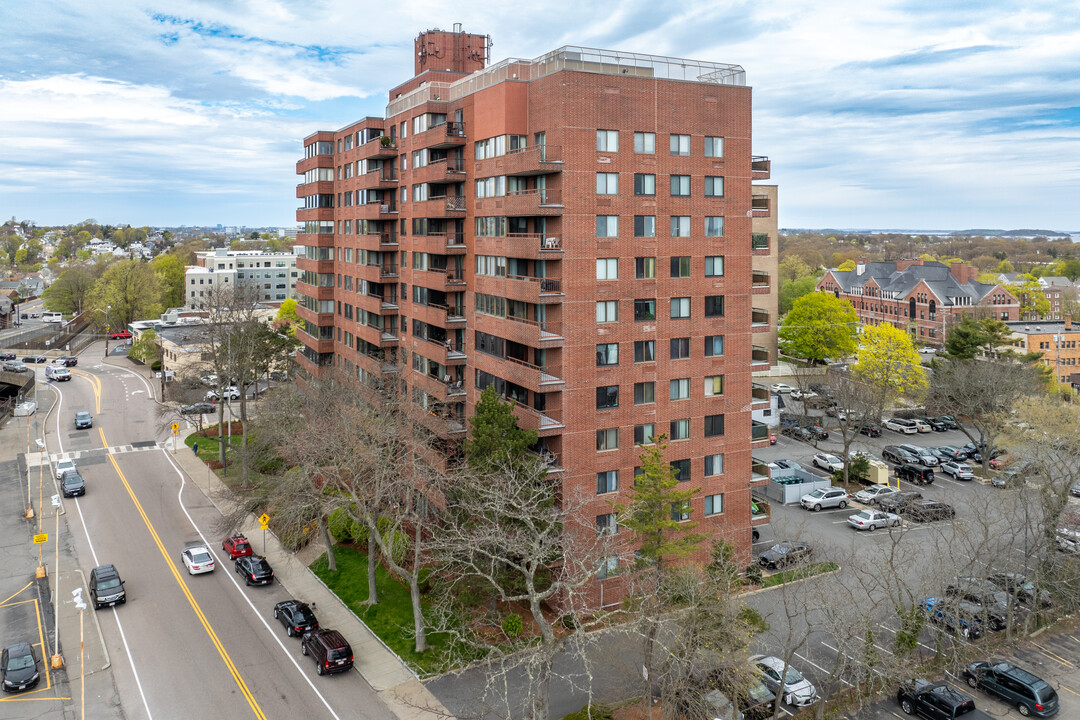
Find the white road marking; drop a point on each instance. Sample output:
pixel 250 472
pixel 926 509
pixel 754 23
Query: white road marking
pixel 827 673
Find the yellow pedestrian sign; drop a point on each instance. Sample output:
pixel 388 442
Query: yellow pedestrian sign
pixel 41 538
pixel 175 428
pixel 264 521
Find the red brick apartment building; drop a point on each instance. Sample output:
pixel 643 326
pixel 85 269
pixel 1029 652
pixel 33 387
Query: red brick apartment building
pixel 921 297
pixel 574 229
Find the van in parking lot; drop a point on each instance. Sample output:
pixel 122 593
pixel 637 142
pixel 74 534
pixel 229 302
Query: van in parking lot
pixel 900 425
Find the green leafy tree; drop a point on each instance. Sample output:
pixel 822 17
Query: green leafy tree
pixel 286 320
pixel 847 265
pixel 70 292
pixel 170 274
pixel 10 244
pixel 1070 268
pixel 130 290
pixel 791 268
pixel 970 338
pixel 820 326
pixel 793 290
pixel 21 256
pixel 496 438
pixel 146 349
pixel 1004 267
pixel 1030 294
pixel 889 365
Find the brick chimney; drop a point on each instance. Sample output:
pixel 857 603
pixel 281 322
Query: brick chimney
pixel 457 51
pixel 1068 322
pixel 963 272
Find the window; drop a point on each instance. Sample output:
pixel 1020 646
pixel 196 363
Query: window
pixel 714 385
pixel 607 311
pixel 607 482
pixel 680 512
pixel 680 348
pixel 680 389
pixel 680 226
pixel 607 354
pixel 714 465
pixel 714 425
pixel 714 186
pixel 607 140
pixel 607 439
pixel 714 266
pixel 680 185
pixel 644 226
pixel 682 469
pixel 680 429
pixel 680 266
pixel 644 310
pixel 607 226
pixel 714 226
pixel 644 184
pixel 680 307
pixel 644 268
pixel 606 525
pixel 714 306
pixel 608 269
pixel 645 143
pixel 644 351
pixel 644 393
pixel 714 504
pixel 607 397
pixel 644 434
pixel 680 144
pixel 714 147
pixel 607 183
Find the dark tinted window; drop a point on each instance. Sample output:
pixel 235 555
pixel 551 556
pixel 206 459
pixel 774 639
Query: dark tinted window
pixel 341 654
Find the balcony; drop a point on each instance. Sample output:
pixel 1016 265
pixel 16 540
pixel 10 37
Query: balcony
pixel 376 178
pixel 759 206
pixel 523 162
pixel 388 270
pixel 759 432
pixel 454 241
pixel 319 187
pixel 452 316
pixel 526 374
pixel 759 320
pixel 760 511
pixel 521 287
pixel 388 239
pixel 378 149
pixel 521 245
pixel 544 423
pixel 760 394
pixel 759 355
pixel 760 167
pixel 447 135
pixel 536 201
pixel 759 471
pixel 546 334
pixel 759 243
pixel 389 208
pixel 759 282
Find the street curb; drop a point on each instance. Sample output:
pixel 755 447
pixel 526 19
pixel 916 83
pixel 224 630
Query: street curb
pixel 760 590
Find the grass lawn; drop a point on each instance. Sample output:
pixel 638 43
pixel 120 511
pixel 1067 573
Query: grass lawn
pixel 392 618
pixel 799 573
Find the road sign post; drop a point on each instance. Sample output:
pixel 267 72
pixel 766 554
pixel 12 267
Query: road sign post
pixel 264 522
pixel 175 432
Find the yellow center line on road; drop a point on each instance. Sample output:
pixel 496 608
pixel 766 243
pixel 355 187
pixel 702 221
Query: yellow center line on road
pixel 1066 687
pixel 184 588
pixel 1053 656
pixel 95 383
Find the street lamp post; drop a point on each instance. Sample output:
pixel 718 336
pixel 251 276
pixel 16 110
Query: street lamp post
pixel 41 496
pixel 57 660
pixel 107 326
pixel 81 605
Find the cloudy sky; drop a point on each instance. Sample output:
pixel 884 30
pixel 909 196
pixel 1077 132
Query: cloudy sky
pixel 921 114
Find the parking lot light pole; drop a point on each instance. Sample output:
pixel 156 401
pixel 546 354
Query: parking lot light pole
pixel 41 495
pixel 57 660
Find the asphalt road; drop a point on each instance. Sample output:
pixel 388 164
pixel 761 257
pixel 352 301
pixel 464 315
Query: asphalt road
pixel 182 646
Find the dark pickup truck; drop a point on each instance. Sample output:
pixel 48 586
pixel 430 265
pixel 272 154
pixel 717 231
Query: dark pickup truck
pixel 937 701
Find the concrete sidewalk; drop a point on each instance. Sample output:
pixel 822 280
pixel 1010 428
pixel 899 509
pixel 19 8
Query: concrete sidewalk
pixel 397 685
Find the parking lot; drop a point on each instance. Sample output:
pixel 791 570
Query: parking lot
pixel 1053 655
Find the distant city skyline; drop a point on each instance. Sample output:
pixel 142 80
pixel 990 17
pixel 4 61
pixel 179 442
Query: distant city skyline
pixel 899 114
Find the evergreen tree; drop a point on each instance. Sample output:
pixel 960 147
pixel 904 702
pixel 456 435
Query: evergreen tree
pixel 496 438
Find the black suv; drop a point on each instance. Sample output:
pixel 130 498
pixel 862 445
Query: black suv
pixel 926 510
pixel 994 602
pixel 915 474
pixel 897 502
pixel 1021 588
pixel 329 649
pixel 1029 694
pixel 106 587
pixel 936 700
pixel 72 483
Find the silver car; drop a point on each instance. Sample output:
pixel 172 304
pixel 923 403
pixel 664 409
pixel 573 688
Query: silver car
pixel 874 493
pixel 959 470
pixel 825 498
pixel 926 457
pixel 793 688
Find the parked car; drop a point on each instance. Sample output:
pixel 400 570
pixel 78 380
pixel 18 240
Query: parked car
pixel 1021 588
pixel 236 546
pixel 798 433
pixel 781 388
pixel 7 356
pixel 916 474
pixel 197 558
pixel 72 484
pixel 926 510
pixel 329 649
pixel 897 501
pixel 18 667
pixel 817 432
pixel 976 453
pixel 199 408
pixel 35 359
pixel 1074 490
pixel 120 335
pixel 231 392
pixel 296 616
pixel 1002 461
pixel 1029 694
pixel 819 402
pixel 785 465
pixel 1010 478
pixel 873 519
pixel 981 592
pixel 937 700
pixel 803 394
pixel 255 569
pixel 825 498
pixel 828 462
pixel 925 456
pixel 788 552
pixel 897 455
pixel 902 425
pixel 874 493
pixel 870 429
pixel 106 587
pixel 959 470
pixel 935 424
pixel 784 681
pixel 83 420
pixel 949 421
pixel 921 426
pixel 949 452
pixel 946 615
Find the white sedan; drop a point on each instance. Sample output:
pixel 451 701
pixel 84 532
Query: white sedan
pixel 62 466
pixel 781 388
pixel 803 394
pixel 959 470
pixel 825 461
pixel 873 519
pixel 874 493
pixel 231 392
pixel 197 559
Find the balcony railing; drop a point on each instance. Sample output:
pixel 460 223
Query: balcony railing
pixel 759 470
pixel 547 285
pixel 760 393
pixel 388 238
pixel 759 279
pixel 759 317
pixel 759 355
pixel 758 431
pixel 388 271
pixel 546 378
pixel 759 241
pixel 761 167
pixel 759 205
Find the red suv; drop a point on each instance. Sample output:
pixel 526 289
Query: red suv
pixel 120 335
pixel 237 546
